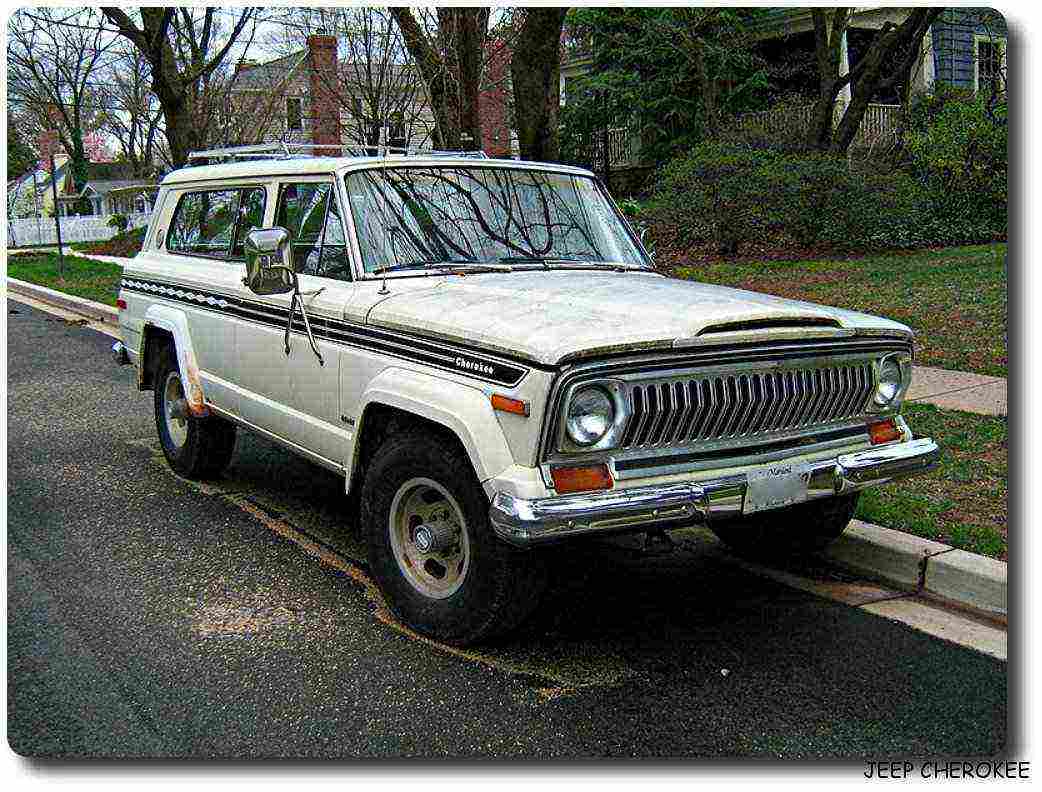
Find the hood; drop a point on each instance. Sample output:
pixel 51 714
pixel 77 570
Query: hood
pixel 550 317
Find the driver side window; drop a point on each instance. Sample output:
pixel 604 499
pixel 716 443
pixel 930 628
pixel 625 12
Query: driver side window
pixel 311 214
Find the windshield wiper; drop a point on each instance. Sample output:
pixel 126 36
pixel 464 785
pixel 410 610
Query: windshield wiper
pixel 453 264
pixel 549 261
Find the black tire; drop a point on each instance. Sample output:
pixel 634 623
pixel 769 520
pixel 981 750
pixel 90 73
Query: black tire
pixel 208 443
pixel 501 586
pixel 794 530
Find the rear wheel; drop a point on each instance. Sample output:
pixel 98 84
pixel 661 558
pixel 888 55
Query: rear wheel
pixel 194 447
pixel 432 551
pixel 794 530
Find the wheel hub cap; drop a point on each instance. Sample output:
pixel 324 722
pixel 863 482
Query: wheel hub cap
pixel 429 538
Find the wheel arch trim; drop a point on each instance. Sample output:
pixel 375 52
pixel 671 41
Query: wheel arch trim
pixel 464 410
pixel 175 322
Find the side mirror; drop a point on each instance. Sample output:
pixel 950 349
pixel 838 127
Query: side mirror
pixel 269 262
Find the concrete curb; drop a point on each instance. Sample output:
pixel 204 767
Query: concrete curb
pixel 77 305
pixel 121 260
pixel 971 581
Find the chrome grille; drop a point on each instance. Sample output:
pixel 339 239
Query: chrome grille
pixel 705 408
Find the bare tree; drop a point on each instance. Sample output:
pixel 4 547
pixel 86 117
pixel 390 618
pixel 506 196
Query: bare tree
pixel 131 113
pixel 54 56
pixel 536 71
pixel 184 47
pixel 448 46
pixel 886 63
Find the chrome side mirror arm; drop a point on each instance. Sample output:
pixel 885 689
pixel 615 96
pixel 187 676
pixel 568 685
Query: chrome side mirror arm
pixel 298 300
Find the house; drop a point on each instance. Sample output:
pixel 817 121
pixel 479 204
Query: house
pixel 107 190
pixel 311 97
pixel 965 48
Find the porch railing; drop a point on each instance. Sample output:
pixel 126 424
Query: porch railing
pixel 623 149
pixel 881 122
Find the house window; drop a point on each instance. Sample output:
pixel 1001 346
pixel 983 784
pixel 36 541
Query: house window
pixel 294 113
pixel 990 66
pixel 396 136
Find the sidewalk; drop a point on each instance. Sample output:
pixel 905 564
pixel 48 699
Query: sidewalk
pixel 958 390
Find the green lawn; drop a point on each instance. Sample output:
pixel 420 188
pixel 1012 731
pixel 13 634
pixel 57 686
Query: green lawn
pixel 963 502
pixel 95 280
pixel 953 298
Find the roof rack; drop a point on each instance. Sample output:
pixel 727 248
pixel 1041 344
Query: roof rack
pixel 292 150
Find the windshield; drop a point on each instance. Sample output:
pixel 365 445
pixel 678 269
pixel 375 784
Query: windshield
pixel 418 217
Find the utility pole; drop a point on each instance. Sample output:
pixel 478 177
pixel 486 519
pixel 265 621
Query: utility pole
pixel 36 203
pixel 57 221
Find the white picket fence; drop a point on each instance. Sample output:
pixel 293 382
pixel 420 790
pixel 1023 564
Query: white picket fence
pixel 27 231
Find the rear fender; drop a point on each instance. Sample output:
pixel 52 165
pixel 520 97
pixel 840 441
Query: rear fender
pixel 174 321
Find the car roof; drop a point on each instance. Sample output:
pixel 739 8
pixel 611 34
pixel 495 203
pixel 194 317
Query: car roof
pixel 294 166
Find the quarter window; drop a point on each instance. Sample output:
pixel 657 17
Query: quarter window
pixel 204 222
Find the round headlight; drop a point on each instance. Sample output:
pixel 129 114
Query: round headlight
pixel 590 416
pixel 890 381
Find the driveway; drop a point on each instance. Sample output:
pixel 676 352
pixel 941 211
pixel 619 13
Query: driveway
pixel 152 617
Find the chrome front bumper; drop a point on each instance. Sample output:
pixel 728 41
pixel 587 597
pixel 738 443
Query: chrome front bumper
pixel 525 523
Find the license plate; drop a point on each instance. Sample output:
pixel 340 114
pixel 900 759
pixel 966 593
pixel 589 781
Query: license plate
pixel 774 486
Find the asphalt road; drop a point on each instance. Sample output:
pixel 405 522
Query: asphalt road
pixel 149 617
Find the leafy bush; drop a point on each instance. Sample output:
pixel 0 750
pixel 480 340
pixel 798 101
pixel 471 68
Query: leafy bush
pixel 715 193
pixel 734 195
pixel 120 222
pixel 947 186
pixel 957 150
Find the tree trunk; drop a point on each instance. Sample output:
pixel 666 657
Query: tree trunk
pixel 828 50
pixel 450 66
pixel 889 60
pixel 535 70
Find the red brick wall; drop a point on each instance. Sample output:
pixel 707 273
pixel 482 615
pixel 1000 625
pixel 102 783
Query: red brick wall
pixel 325 109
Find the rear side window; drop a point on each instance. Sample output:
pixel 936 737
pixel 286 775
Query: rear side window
pixel 214 223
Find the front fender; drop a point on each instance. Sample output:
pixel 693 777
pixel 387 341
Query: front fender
pixel 463 409
pixel 174 321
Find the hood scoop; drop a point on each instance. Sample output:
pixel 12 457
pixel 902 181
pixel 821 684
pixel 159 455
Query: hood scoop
pixel 769 324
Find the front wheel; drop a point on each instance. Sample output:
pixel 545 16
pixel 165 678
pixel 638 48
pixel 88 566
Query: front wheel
pixel 793 530
pixel 197 448
pixel 431 548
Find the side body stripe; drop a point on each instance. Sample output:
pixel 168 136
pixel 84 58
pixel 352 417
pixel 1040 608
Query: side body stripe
pixel 432 352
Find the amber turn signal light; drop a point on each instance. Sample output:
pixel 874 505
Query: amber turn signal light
pixel 581 479
pixel 506 404
pixel 884 431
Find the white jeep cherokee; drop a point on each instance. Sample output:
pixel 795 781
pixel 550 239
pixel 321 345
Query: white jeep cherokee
pixel 482 350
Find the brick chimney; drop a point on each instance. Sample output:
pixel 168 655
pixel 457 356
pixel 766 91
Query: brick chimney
pixel 325 109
